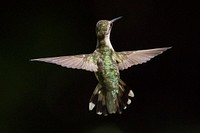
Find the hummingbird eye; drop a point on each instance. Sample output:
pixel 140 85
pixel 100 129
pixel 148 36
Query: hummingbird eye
pixel 111 24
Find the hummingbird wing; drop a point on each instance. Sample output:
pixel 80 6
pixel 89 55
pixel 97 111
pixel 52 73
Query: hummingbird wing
pixel 84 61
pixel 130 58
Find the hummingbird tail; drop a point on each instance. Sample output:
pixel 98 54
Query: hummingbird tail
pixel 124 95
pixel 104 106
pixel 98 99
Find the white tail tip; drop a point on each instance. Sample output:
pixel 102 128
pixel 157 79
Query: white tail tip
pixel 91 106
pixel 131 94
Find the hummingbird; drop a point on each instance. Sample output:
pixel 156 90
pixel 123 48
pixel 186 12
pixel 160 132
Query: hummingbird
pixel 111 94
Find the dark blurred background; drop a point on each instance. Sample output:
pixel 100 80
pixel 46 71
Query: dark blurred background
pixel 39 97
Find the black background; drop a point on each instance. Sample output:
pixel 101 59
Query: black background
pixel 40 97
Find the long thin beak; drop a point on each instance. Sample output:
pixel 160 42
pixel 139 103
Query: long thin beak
pixel 115 19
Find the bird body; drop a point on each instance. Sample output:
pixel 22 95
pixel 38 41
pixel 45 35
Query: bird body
pixel 111 94
pixel 108 77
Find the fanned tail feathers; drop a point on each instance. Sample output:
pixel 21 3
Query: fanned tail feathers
pixel 99 99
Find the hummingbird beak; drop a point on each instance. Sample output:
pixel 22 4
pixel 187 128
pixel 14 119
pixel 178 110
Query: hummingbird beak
pixel 115 19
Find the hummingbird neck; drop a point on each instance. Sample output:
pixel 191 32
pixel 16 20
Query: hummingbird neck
pixel 104 42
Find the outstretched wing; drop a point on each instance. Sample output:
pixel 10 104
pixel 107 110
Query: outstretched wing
pixel 84 61
pixel 130 58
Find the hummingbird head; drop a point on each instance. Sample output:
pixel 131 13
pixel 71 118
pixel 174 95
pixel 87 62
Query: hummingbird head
pixel 103 27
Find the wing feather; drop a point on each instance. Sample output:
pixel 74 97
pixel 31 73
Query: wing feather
pixel 85 61
pixel 130 58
